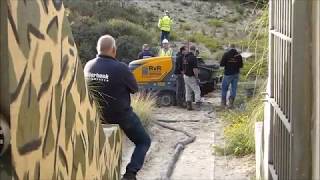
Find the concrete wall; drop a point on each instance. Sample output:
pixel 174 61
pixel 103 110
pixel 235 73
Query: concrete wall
pixel 55 126
pixel 316 90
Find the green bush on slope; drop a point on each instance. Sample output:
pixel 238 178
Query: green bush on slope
pixel 92 18
pixel 210 42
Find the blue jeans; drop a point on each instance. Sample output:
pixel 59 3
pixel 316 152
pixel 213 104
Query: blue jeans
pixel 164 35
pixel 227 80
pixel 132 127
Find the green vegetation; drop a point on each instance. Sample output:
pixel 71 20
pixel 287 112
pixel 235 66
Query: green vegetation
pixel 92 18
pixel 215 22
pixel 185 27
pixel 210 42
pixel 257 43
pixel 143 105
pixel 239 133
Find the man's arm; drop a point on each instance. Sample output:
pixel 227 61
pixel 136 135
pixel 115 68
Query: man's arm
pixel 241 62
pixel 140 55
pixel 195 67
pixel 223 60
pixel 159 23
pixel 129 80
pixel 196 72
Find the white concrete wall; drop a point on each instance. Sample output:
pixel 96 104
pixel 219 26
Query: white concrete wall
pixel 316 90
pixel 267 109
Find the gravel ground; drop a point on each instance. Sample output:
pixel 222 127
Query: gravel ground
pixel 197 161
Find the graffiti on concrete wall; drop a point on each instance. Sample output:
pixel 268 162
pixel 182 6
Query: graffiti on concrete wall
pixel 55 126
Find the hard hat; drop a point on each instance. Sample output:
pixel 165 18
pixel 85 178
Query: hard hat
pixel 165 41
pixel 166 11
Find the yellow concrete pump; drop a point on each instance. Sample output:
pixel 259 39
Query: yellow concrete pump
pixel 156 74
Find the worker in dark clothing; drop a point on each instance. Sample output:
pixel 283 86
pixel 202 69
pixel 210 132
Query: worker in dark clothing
pixel 145 53
pixel 114 83
pixel 232 63
pixel 191 78
pixel 178 71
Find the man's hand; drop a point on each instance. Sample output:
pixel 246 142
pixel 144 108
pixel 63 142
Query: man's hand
pixel 198 80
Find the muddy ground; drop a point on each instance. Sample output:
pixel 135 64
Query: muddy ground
pixel 197 161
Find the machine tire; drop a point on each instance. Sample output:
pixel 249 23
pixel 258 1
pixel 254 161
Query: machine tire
pixel 165 99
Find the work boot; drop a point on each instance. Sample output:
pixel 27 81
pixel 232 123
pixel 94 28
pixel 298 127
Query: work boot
pixel 189 105
pixel 129 176
pixel 198 105
pixel 231 102
pixel 183 104
pixel 223 103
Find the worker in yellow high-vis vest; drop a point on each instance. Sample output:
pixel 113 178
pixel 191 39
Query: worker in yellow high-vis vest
pixel 165 50
pixel 164 25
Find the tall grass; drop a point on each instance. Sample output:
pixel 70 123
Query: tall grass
pixel 239 134
pixel 210 42
pixel 143 105
pixel 216 22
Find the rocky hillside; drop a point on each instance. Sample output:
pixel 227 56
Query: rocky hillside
pixel 209 24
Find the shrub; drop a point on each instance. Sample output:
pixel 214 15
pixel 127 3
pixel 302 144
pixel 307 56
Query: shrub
pixel 92 18
pixel 233 19
pixel 118 28
pixel 211 43
pixel 175 36
pixel 186 3
pixel 143 105
pixel 239 134
pixel 215 22
pixel 185 27
pixel 240 9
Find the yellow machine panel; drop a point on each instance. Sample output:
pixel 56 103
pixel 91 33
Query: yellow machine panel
pixel 153 69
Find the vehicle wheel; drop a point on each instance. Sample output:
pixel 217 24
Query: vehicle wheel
pixel 165 99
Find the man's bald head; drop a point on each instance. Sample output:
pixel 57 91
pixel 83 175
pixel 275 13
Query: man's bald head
pixel 106 46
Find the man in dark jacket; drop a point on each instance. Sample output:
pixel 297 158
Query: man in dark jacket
pixel 178 71
pixel 232 63
pixel 145 53
pixel 114 83
pixel 191 78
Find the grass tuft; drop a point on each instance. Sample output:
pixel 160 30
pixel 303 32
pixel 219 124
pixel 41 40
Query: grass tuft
pixel 239 134
pixel 215 22
pixel 210 42
pixel 143 105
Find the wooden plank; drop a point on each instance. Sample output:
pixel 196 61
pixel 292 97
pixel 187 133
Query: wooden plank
pixel 259 150
pixel 316 92
pixel 281 115
pixel 273 172
pixel 4 64
pixel 280 35
pixel 300 89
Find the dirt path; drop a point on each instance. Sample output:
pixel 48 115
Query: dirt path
pixel 197 161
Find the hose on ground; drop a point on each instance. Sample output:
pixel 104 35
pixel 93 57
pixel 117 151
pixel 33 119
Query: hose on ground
pixel 178 149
